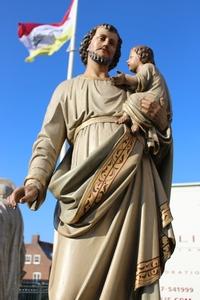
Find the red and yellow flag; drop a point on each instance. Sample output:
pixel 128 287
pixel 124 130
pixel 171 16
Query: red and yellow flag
pixel 47 38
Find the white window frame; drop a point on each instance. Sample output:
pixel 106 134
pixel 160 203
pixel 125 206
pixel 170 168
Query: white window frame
pixel 28 259
pixel 36 259
pixel 37 276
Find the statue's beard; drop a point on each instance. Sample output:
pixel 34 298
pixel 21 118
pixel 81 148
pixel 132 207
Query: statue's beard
pixel 101 60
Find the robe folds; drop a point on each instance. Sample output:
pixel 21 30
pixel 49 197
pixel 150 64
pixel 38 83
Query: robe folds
pixel 112 217
pixel 12 249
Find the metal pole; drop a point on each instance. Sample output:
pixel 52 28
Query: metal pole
pixel 71 50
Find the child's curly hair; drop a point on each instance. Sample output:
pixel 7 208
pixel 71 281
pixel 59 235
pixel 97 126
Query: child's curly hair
pixel 145 54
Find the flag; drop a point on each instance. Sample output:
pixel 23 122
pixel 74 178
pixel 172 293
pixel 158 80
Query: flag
pixel 47 38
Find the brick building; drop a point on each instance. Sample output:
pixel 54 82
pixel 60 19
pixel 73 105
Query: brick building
pixel 38 260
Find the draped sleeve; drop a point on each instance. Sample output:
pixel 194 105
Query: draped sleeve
pixel 48 144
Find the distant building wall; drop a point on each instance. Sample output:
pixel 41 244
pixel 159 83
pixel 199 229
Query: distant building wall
pixel 38 259
pixel 181 279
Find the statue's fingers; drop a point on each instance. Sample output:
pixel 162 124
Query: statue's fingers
pixel 15 197
pixel 11 202
pixel 31 194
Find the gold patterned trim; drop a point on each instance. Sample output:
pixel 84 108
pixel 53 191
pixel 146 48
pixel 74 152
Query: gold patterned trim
pixel 167 247
pixel 147 272
pixel 104 177
pixel 166 216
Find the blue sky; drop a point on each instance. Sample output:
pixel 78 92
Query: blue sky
pixel 170 27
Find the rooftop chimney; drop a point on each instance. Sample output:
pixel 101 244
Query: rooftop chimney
pixel 35 239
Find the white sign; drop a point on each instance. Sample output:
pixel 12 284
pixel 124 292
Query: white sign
pixel 181 279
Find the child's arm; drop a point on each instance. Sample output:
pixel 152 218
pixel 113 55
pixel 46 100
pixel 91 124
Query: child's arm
pixel 125 79
pixel 131 81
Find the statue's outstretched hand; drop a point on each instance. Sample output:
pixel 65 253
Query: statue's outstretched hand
pixel 24 194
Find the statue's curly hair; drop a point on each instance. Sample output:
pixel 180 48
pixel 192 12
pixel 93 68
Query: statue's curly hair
pixel 145 54
pixel 87 39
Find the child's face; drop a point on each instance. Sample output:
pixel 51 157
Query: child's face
pixel 133 61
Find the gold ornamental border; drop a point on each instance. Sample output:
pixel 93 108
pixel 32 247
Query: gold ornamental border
pixel 104 177
pixel 166 215
pixel 147 272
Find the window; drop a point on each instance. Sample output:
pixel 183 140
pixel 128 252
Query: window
pixel 36 259
pixel 28 259
pixel 36 276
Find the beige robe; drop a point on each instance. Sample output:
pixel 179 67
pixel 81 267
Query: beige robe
pixel 112 215
pixel 152 84
pixel 12 248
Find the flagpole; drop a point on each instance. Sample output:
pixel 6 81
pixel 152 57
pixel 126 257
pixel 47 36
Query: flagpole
pixel 71 50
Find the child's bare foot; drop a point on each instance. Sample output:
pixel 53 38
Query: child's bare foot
pixel 135 128
pixel 123 119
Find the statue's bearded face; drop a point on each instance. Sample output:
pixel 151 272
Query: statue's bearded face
pixel 103 46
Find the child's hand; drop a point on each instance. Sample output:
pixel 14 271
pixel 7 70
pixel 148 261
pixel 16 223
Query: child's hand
pixel 119 79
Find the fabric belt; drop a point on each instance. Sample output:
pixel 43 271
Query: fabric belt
pixel 102 119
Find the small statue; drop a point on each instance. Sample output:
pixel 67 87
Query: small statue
pixel 148 82
pixel 11 244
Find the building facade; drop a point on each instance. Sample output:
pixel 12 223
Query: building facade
pixel 181 278
pixel 38 259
